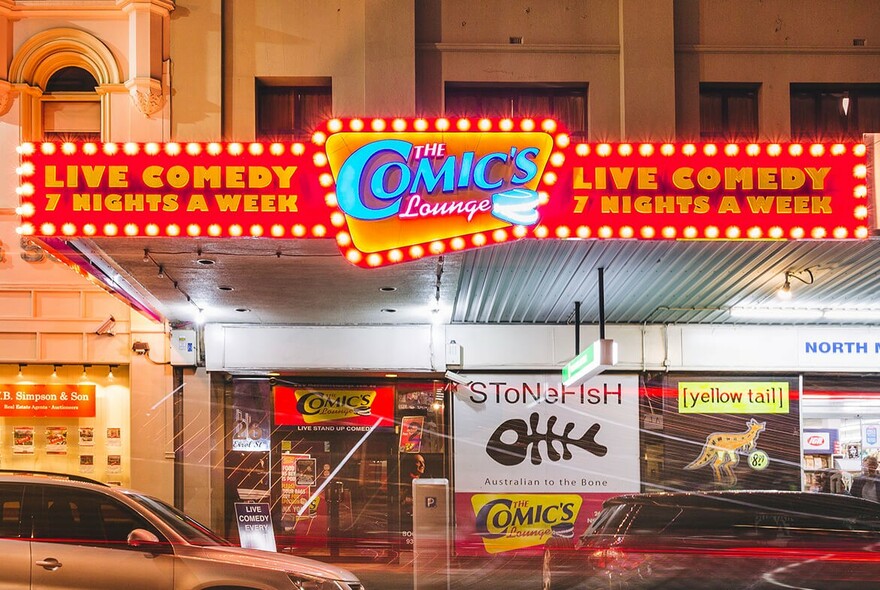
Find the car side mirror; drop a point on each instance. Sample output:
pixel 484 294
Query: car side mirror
pixel 144 539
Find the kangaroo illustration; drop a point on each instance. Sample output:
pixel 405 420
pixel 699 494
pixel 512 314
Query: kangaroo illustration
pixel 722 448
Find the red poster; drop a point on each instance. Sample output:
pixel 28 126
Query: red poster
pixel 47 401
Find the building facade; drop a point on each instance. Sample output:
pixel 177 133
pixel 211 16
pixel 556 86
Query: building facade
pixel 244 70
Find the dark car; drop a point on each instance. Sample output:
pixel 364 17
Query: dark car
pixel 722 540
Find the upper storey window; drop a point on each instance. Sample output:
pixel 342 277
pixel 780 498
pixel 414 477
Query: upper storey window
pixel 294 111
pixel 834 111
pixel 729 112
pixel 565 103
pixel 71 107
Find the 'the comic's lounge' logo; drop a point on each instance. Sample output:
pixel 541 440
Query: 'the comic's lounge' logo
pixel 507 522
pixel 324 406
pixel 397 189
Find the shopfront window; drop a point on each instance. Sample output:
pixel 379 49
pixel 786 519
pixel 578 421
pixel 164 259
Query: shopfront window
pixel 339 471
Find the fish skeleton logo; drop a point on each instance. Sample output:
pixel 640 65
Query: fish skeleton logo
pixel 397 189
pixel 515 452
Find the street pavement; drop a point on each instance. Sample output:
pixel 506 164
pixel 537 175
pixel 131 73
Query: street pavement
pixel 463 574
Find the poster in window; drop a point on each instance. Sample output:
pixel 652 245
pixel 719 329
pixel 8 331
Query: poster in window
pixel 114 463
pixel 305 471
pixel 86 463
pixel 114 437
pixel 293 495
pixel 411 428
pixel 23 440
pixel 86 436
pixel 56 440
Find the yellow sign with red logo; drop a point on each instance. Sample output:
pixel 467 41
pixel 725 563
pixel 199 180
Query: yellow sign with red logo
pixel 507 522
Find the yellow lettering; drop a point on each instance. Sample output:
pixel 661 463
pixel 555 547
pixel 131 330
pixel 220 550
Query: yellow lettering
pixel 235 177
pixel 197 203
pixel 792 178
pixel 817 175
pixel 734 177
pixel 286 173
pixel 647 178
pixel 766 179
pixel 728 204
pixel 681 178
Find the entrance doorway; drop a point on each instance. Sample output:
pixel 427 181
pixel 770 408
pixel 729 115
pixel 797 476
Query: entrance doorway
pixel 331 492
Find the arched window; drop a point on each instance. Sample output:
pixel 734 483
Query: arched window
pixel 71 106
pixel 65 78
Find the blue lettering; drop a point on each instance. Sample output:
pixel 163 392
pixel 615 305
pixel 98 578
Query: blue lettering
pixel 481 171
pixel 839 347
pixel 377 182
pixel 425 175
pixel 525 165
pixel 349 187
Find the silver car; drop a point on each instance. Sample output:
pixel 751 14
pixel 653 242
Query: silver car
pixel 73 533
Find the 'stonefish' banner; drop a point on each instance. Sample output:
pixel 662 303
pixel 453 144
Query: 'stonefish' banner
pixel 47 401
pixel 389 191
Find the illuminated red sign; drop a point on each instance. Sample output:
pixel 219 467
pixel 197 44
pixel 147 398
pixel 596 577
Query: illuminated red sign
pixel 392 190
pixel 327 409
pixel 47 401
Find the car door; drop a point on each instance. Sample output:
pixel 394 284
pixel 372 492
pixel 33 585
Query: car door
pixel 14 547
pixel 80 543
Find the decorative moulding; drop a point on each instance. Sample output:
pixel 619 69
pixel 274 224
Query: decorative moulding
pixel 7 96
pixel 147 95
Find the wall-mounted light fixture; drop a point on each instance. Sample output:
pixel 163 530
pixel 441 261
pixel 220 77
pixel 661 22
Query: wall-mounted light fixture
pixel 785 291
pixel 844 103
pixel 110 372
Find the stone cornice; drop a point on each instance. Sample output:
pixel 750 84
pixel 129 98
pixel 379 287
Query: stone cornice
pixel 516 48
pixel 777 50
pixel 97 9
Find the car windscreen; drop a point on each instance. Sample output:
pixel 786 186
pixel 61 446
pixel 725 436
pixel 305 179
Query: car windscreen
pixel 190 529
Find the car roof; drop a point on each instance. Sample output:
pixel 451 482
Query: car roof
pixel 769 499
pixel 50 477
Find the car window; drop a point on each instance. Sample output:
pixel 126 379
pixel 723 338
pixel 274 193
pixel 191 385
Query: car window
pixel 11 497
pixel 83 515
pixel 610 521
pixel 190 529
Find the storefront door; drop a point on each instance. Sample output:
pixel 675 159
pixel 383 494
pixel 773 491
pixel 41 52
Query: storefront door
pixel 331 492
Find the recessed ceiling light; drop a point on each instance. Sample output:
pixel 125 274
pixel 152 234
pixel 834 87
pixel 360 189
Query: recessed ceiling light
pixel 389 310
pixel 205 261
pixel 388 289
pixel 225 288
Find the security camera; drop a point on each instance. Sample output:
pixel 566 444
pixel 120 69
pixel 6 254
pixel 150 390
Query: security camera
pixel 140 347
pixel 458 378
pixel 107 327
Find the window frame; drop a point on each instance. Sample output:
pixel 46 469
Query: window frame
pixel 727 91
pixel 514 92
pixel 854 128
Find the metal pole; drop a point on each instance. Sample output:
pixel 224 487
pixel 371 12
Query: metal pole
pixel 601 303
pixel 577 328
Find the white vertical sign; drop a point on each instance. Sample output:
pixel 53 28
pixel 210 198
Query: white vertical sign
pixel 529 433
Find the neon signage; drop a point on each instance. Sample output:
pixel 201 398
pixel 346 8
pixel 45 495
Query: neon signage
pixel 392 190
